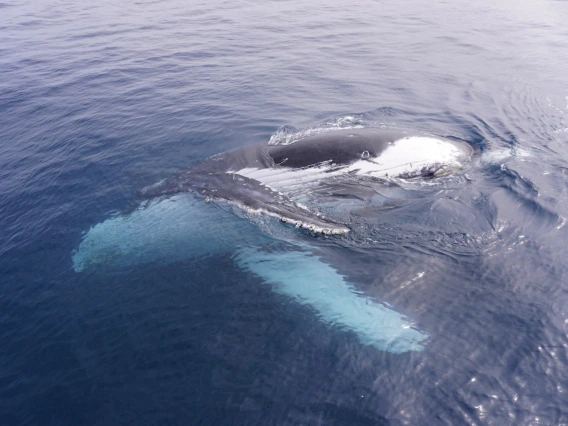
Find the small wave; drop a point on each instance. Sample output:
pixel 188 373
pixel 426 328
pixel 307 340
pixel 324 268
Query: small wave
pixel 496 156
pixel 348 122
pixel 283 138
pixel 288 135
pixel 563 128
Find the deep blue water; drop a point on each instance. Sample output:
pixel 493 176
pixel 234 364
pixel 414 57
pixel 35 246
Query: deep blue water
pixel 100 100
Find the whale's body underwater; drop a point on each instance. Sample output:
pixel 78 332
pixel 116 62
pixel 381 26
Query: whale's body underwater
pixel 290 182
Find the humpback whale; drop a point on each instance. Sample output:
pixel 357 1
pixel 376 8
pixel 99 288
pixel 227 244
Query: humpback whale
pixel 207 209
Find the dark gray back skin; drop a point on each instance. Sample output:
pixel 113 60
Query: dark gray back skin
pixel 339 146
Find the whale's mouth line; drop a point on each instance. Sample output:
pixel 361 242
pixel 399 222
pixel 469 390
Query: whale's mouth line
pixel 255 198
pixel 307 224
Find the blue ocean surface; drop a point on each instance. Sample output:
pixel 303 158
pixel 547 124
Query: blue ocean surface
pixel 99 100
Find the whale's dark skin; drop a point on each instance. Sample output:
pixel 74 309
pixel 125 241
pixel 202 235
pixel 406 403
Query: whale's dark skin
pixel 338 146
pixel 212 178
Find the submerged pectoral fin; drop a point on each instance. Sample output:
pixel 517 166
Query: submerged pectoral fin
pixel 185 226
pixel 164 231
pixel 306 279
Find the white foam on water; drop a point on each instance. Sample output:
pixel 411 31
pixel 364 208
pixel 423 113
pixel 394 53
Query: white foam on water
pixel 496 156
pixel 341 123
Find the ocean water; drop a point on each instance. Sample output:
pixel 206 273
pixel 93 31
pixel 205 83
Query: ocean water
pixel 99 100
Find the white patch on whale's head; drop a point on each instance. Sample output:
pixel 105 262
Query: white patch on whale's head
pixel 411 155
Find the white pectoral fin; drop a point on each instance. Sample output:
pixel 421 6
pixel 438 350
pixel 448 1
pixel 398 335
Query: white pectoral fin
pixel 305 278
pixel 164 231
